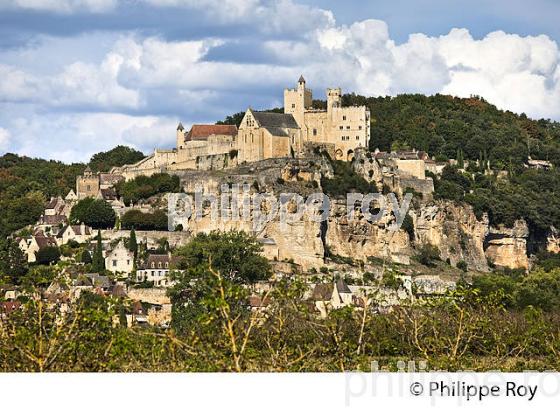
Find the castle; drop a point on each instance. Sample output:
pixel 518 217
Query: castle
pixel 265 135
pixel 262 135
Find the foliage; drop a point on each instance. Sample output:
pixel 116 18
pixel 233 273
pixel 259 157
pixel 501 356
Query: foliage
pixel 132 243
pixel 47 255
pixel 209 297
pixel 428 255
pixel 86 257
pixel 116 157
pixel 345 180
pixel 98 262
pixel 143 187
pixel 93 212
pixel 13 263
pixel 135 219
pixel 25 185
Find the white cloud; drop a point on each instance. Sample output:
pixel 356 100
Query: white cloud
pixel 4 139
pixel 61 6
pixel 75 137
pixel 161 80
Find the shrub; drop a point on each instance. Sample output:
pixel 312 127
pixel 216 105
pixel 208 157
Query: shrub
pixel 47 255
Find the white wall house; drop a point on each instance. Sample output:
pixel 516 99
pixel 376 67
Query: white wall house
pixel 119 259
pixel 156 269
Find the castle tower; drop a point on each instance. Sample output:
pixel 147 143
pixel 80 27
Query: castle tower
pixel 297 100
pixel 334 98
pixel 180 136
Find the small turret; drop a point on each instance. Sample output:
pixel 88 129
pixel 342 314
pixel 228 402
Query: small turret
pixel 180 136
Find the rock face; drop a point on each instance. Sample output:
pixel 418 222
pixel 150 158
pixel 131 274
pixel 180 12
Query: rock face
pixel 507 247
pixel 359 239
pixel 553 240
pixel 454 230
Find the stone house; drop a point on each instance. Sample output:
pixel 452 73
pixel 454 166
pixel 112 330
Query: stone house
pixel 55 206
pixel 79 233
pixel 156 269
pixel 119 259
pixel 29 246
pixel 328 296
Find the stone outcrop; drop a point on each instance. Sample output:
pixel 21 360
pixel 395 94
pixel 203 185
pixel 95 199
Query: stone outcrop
pixel 454 230
pixel 553 240
pixel 507 247
pixel 359 239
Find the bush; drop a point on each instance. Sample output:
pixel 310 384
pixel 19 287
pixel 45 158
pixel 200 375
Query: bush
pixel 428 255
pixel 143 187
pixel 345 180
pixel 136 219
pixel 462 265
pixel 47 255
pixel 93 212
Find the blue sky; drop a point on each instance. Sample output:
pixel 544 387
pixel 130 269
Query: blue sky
pixel 80 76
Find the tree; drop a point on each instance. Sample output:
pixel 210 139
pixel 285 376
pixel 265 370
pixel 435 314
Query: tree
pixel 13 263
pixel 116 157
pixel 47 255
pixel 93 212
pixel 98 262
pixel 132 243
pixel 211 289
pixel 86 257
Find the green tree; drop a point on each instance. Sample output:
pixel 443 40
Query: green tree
pixel 98 262
pixel 116 157
pixel 93 212
pixel 86 257
pixel 132 243
pixel 47 255
pixel 13 263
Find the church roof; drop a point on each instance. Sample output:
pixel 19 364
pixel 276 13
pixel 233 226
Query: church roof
pixel 180 127
pixel 301 79
pixel 200 132
pixel 275 120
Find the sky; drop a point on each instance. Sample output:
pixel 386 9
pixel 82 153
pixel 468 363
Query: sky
pixel 82 76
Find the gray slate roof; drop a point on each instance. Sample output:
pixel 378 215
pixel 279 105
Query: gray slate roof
pixel 275 120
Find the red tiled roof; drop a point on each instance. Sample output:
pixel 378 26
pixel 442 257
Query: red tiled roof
pixel 201 132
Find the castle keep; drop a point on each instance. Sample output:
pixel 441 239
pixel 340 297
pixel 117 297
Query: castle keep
pixel 264 135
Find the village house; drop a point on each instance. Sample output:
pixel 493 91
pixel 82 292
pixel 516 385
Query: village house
pixel 156 269
pixel 328 296
pixel 119 259
pixel 29 246
pixel 79 233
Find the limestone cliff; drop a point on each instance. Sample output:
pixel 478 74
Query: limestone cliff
pixel 359 239
pixel 454 230
pixel 507 247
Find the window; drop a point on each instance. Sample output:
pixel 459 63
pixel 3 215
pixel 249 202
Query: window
pixel 341 127
pixel 314 131
pixel 293 106
pixel 159 265
pixel 360 127
pixel 347 127
pixel 114 262
pixel 153 265
pixel 128 261
pixel 344 118
pixel 167 264
pixel 357 137
pixel 88 188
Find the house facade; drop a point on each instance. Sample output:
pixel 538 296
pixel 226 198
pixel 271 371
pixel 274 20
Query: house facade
pixel 119 259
